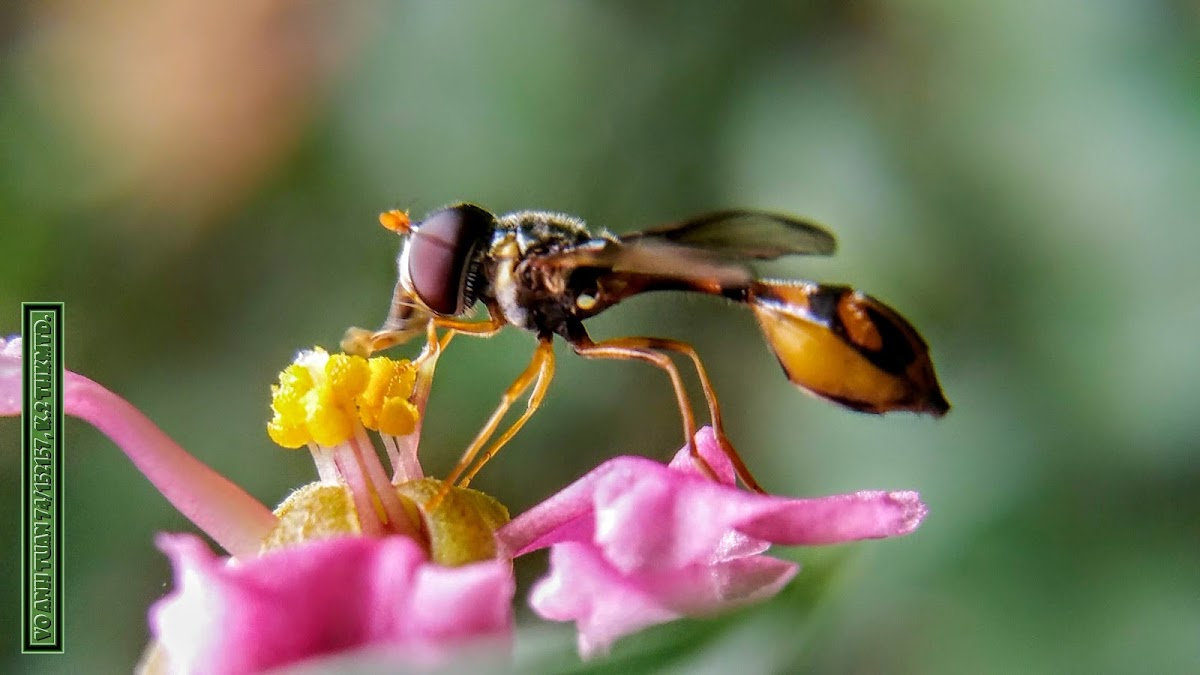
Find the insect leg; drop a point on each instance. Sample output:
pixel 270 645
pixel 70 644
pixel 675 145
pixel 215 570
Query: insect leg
pixel 484 329
pixel 514 391
pixel 544 354
pixel 363 342
pixel 710 395
pixel 366 342
pixel 630 349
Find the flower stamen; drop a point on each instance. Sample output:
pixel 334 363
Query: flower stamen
pixel 383 489
pixel 405 465
pixel 365 500
pixel 328 401
pixel 323 459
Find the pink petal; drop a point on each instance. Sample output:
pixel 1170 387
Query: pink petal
pixel 636 542
pixel 225 512
pixel 607 603
pixel 710 450
pixel 827 520
pixel 10 379
pixel 10 346
pixel 321 598
pixel 646 514
pixel 485 589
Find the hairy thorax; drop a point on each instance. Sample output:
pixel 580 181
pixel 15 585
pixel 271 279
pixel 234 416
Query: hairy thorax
pixel 527 291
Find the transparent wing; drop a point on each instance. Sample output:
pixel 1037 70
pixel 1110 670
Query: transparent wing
pixel 650 263
pixel 743 234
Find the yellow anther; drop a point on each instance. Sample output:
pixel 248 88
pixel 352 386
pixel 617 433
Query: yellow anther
pixel 287 397
pixel 321 397
pixel 297 376
pixel 390 380
pixel 329 422
pixel 381 376
pixel 397 417
pixel 347 376
pixel 288 435
pixel 313 360
pixel 404 377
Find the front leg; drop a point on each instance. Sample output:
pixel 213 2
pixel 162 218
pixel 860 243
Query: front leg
pixel 537 374
pixel 363 342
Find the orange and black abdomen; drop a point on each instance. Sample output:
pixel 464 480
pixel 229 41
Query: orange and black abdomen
pixel 847 347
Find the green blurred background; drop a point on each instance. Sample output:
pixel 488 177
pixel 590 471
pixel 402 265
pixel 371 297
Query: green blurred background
pixel 199 182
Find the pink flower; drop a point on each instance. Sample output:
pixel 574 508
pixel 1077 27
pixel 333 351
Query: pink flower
pixel 355 560
pixel 324 597
pixel 297 586
pixel 636 543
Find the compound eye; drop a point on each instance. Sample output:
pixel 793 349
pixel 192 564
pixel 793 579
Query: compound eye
pixel 442 256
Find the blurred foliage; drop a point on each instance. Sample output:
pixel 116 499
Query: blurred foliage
pixel 199 182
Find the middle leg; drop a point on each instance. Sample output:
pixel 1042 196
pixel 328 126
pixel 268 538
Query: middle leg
pixel 632 349
pixel 710 396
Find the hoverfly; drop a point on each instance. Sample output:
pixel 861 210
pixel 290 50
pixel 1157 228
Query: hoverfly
pixel 547 273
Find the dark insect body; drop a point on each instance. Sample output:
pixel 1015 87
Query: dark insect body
pixel 547 273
